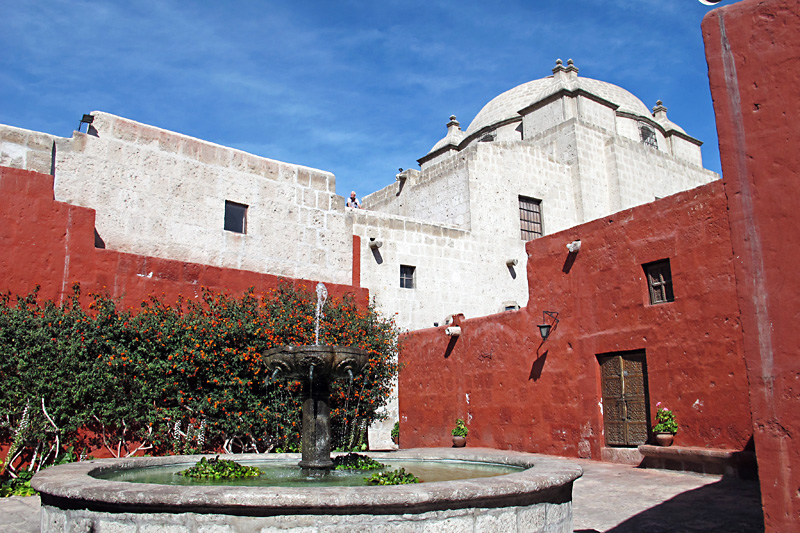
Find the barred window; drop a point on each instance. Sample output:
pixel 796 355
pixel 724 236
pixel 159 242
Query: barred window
pixel 407 276
pixel 648 135
pixel 530 218
pixel 659 282
pixel 235 217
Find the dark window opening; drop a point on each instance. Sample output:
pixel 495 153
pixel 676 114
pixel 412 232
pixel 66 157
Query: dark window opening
pixel 530 218
pixel 235 217
pixel 489 136
pixel 659 282
pixel 407 276
pixel 648 135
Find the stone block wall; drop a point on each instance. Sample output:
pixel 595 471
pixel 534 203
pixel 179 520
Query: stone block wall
pixel 455 271
pixel 596 113
pixel 163 194
pixel 685 150
pixel 499 173
pixel 437 195
pixel 645 174
pixel 26 149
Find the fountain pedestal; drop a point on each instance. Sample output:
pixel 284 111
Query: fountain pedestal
pixel 316 426
pixel 316 367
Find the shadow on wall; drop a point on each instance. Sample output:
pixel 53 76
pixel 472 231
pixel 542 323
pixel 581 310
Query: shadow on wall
pixel 538 366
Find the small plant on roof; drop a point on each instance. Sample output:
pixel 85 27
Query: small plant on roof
pixel 665 420
pixel 461 429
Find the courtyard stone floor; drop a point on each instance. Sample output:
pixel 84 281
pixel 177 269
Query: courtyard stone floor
pixel 608 498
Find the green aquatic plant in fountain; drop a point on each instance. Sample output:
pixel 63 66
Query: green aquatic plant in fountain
pixel 395 477
pixel 356 461
pixel 217 468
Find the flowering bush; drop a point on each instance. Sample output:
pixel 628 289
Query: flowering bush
pixel 181 378
pixel 665 420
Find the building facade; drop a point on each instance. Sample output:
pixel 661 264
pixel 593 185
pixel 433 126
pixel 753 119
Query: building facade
pixel 445 239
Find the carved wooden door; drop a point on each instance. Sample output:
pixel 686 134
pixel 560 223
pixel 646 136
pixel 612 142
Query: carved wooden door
pixel 625 403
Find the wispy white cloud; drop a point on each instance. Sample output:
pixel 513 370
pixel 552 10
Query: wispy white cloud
pixel 358 88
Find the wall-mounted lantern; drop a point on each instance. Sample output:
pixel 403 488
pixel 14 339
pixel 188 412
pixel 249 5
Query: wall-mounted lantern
pixel 546 328
pixel 511 262
pixel 574 247
pixel 375 244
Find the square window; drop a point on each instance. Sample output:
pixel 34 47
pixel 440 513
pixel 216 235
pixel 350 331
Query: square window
pixel 659 282
pixel 235 217
pixel 530 218
pixel 407 276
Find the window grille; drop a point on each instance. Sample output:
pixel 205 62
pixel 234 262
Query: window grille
pixel 235 217
pixel 488 137
pixel 530 218
pixel 659 282
pixel 407 276
pixel 648 135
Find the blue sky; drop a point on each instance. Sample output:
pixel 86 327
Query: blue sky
pixel 356 88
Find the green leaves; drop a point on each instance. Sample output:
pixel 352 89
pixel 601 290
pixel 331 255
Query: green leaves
pixel 356 461
pixel 461 429
pixel 217 468
pixel 665 420
pixel 394 477
pixel 182 377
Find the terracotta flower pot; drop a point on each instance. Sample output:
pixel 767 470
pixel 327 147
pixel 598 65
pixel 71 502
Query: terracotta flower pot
pixel 459 442
pixel 664 439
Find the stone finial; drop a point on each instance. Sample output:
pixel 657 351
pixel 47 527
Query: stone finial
pixel 453 123
pixel 659 109
pixel 571 67
pixel 559 66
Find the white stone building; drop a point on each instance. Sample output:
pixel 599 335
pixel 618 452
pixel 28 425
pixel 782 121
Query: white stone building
pixel 544 156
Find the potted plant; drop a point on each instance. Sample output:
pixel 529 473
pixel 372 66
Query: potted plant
pixel 460 434
pixel 396 433
pixel 666 426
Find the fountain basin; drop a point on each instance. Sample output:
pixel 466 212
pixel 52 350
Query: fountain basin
pixel 536 499
pixel 329 362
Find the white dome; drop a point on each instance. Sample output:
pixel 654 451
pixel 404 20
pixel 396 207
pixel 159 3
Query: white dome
pixel 508 104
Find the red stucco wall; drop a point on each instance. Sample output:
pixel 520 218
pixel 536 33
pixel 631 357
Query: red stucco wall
pixel 51 244
pixel 517 392
pixel 753 53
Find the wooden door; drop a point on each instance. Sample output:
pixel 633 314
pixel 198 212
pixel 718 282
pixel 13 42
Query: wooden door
pixel 625 402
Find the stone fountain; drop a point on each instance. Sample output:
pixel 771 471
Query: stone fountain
pixel 316 367
pixel 536 498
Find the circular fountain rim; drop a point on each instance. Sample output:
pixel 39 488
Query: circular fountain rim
pixel 65 484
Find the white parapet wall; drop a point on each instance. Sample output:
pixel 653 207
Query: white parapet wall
pixel 164 194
